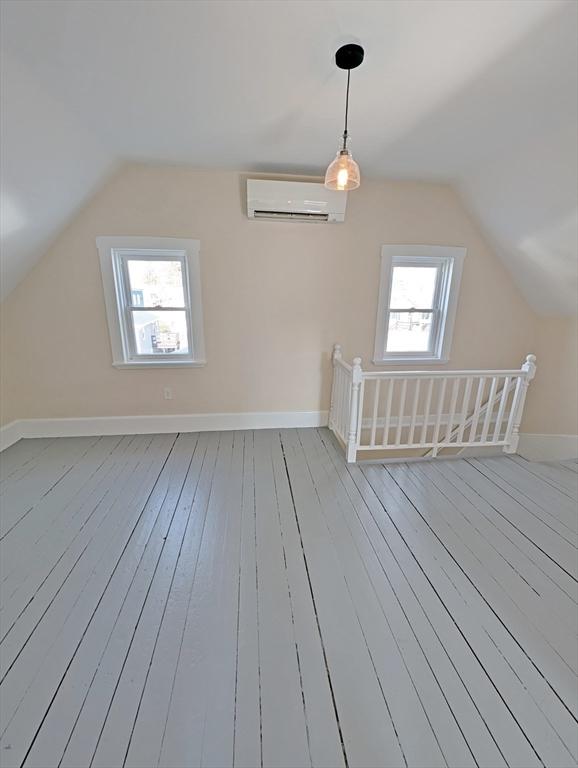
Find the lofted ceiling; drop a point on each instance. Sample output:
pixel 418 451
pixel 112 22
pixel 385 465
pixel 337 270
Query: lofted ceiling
pixel 482 94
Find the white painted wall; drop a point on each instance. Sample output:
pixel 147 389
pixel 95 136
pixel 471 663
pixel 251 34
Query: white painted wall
pixel 276 297
pixel 552 406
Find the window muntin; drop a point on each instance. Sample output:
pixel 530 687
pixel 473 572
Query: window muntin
pixel 417 301
pixel 153 300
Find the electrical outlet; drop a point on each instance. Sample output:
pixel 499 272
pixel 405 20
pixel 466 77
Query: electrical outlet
pixel 168 393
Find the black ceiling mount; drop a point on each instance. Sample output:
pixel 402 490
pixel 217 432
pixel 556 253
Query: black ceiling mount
pixel 349 56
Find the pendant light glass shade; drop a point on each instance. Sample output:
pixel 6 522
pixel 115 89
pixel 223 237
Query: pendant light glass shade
pixel 343 173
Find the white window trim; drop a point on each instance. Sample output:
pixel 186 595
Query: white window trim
pixel 424 253
pixel 115 304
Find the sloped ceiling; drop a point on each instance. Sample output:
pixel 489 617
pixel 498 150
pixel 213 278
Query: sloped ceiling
pixel 481 94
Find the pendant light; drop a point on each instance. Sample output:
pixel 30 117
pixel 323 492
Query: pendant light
pixel 343 173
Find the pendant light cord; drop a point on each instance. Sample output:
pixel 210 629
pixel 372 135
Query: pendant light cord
pixel 346 110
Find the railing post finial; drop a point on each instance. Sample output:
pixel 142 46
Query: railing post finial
pixel 336 353
pixel 529 367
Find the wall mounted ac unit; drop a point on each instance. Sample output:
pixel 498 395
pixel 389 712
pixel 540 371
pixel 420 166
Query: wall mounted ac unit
pixel 294 201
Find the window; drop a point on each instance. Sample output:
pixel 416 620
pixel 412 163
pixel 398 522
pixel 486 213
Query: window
pixel 418 295
pixel 153 301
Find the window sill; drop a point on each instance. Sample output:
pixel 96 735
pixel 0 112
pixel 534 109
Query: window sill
pixel 411 361
pixel 161 364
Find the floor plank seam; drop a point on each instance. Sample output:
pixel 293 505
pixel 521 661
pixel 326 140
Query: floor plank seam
pixel 475 587
pixel 351 471
pixel 177 502
pixel 327 671
pixel 528 538
pixel 100 599
pixel 402 608
pixel 472 651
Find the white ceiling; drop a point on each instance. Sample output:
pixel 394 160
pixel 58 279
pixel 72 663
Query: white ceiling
pixel 480 93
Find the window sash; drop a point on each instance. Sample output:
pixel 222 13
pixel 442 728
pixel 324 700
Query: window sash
pixel 127 308
pixel 438 309
pixel 406 352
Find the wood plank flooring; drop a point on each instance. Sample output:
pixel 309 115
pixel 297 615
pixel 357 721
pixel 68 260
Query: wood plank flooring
pixel 248 599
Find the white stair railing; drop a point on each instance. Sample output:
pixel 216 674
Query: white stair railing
pixel 429 410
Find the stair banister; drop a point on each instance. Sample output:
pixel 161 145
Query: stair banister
pixel 450 410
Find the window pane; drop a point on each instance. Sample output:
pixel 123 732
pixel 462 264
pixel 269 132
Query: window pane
pixel 155 283
pixel 413 287
pixel 409 331
pixel 161 333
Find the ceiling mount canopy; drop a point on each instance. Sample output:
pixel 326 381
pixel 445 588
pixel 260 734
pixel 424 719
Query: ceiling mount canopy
pixel 349 56
pixel 343 173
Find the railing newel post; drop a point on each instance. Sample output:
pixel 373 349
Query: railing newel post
pixel 529 369
pixel 354 410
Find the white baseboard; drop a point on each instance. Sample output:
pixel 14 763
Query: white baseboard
pixel 548 447
pixel 142 425
pixel 531 447
pixel 10 434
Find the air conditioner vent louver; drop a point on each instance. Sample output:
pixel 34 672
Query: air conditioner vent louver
pixel 294 201
pixel 290 216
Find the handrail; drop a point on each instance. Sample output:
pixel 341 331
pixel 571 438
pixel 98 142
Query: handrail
pixel 440 374
pixel 427 409
pixel 343 364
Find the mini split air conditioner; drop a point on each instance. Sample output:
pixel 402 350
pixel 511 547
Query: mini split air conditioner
pixel 294 201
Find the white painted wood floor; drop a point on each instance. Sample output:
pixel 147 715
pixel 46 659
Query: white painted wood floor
pixel 248 599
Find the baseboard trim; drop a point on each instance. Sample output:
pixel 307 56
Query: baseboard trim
pixel 10 434
pixel 532 447
pixel 548 447
pixel 143 425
